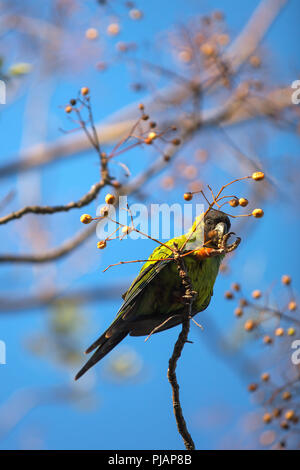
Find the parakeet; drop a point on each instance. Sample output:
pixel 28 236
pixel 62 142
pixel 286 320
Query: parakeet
pixel 155 298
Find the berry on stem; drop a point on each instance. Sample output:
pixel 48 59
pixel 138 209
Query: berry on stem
pixel 258 176
pixel 84 91
pixel 86 219
pixel 257 213
pixel 110 198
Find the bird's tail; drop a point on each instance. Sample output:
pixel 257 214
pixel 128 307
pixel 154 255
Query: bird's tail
pixel 104 345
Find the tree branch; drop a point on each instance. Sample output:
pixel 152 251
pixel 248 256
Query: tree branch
pixel 118 125
pixel 85 200
pixel 52 254
pixel 47 298
pixel 179 345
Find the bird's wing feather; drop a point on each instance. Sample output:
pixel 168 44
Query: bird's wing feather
pixel 148 272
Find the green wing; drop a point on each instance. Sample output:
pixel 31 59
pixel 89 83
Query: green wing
pixel 119 328
pixel 160 257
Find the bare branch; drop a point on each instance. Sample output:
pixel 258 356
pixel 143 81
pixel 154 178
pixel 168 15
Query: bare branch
pixel 53 254
pixel 179 345
pixel 46 298
pixel 248 40
pixel 181 424
pixel 85 200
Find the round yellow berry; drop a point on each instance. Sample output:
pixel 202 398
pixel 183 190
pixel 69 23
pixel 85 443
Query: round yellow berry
pixel 150 137
pixel 258 176
pixel 267 339
pixel 86 219
pixel 207 49
pixel 256 294
pixel 265 377
pixel 252 387
pixel 228 295
pixel 257 213
pixel 291 331
pixel 187 196
pixel 267 418
pixel 286 395
pixel 286 279
pixel 233 202
pixel 284 425
pixel 113 29
pixel 243 202
pixel 292 306
pixel 235 286
pixel 104 211
pixel 279 331
pixel 289 415
pixel 126 229
pixel 110 199
pixel 101 245
pixel 91 34
pixel 238 312
pixel 84 91
pixel 135 14
pixel 249 325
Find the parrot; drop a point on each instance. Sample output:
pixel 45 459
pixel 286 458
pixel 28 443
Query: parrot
pixel 155 300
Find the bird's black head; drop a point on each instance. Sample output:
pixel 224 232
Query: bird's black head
pixel 216 225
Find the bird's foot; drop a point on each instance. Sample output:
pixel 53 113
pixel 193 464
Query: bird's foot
pixel 224 248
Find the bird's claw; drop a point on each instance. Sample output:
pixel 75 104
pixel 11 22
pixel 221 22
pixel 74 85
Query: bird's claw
pixel 224 248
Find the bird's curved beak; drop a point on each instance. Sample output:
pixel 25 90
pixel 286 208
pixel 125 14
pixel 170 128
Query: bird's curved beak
pixel 221 229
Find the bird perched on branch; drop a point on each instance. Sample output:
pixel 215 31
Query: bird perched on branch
pixel 155 300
